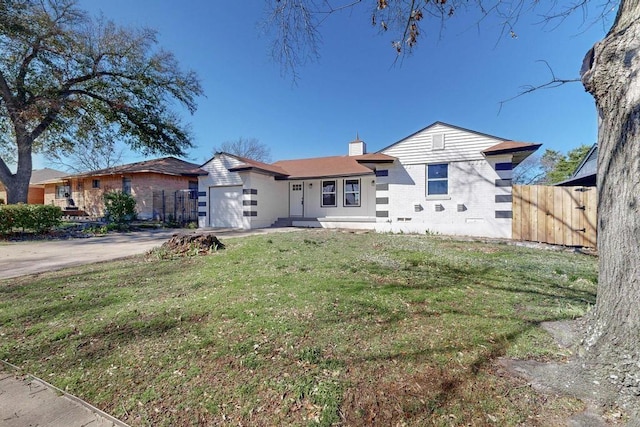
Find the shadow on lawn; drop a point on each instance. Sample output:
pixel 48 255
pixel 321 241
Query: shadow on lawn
pixel 98 341
pixel 432 387
pixel 426 392
pixel 437 274
pixel 73 306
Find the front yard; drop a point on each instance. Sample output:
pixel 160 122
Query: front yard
pixel 303 328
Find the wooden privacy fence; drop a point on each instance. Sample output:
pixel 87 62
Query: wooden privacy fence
pixel 556 215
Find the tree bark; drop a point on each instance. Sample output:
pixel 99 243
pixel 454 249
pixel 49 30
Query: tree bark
pixel 611 73
pixel 17 185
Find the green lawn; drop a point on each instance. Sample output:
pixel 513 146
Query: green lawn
pixel 303 328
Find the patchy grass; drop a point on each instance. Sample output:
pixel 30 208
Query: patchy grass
pixel 308 328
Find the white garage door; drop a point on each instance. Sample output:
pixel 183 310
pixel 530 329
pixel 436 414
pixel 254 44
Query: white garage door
pixel 225 207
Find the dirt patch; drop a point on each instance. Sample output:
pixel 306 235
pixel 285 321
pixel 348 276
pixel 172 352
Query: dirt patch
pixel 80 230
pixel 572 379
pixel 74 233
pixel 192 244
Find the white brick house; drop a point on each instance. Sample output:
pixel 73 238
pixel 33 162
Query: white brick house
pixel 441 179
pixel 450 180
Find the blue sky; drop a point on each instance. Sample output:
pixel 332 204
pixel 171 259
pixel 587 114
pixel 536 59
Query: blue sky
pixel 458 75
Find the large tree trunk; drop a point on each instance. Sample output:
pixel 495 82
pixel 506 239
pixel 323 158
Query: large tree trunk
pixel 611 73
pixel 17 185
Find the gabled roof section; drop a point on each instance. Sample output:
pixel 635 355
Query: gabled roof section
pixel 321 167
pixel 510 147
pixel 164 166
pixel 518 150
pixel 585 173
pixel 254 165
pixel 589 165
pixel 438 123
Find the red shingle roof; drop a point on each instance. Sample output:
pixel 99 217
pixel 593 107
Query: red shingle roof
pixel 318 167
pixel 511 147
pixel 323 167
pixel 519 150
pixel 254 164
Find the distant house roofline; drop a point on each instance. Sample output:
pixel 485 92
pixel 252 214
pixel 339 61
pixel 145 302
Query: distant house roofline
pixel 581 176
pixel 41 176
pixel 165 165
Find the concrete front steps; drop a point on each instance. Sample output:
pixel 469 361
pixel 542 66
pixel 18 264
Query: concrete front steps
pixel 288 221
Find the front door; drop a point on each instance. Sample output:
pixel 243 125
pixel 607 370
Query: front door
pixel 296 198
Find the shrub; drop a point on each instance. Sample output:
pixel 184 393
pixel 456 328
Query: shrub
pixel 7 218
pixel 44 217
pixel 38 218
pixel 120 208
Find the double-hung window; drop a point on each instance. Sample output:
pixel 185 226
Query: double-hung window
pixel 352 192
pixel 438 179
pixel 328 194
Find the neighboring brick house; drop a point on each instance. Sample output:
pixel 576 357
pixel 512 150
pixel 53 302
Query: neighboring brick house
pixel 442 179
pixel 145 181
pixel 35 196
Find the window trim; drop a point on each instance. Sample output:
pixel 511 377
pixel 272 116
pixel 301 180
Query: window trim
pixel 334 192
pixel 345 193
pixel 127 189
pixel 428 180
pixel 66 194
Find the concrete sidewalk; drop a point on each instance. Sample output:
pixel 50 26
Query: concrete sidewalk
pixel 27 401
pixel 30 257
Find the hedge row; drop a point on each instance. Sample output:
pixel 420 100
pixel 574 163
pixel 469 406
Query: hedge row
pixel 38 218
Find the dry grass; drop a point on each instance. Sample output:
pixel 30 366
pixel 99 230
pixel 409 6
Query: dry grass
pixel 306 328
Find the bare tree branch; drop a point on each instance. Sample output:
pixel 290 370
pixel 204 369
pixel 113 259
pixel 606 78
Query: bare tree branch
pixel 553 82
pixel 250 148
pixel 86 156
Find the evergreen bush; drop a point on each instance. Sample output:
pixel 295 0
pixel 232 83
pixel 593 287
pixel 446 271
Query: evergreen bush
pixel 37 218
pixel 120 208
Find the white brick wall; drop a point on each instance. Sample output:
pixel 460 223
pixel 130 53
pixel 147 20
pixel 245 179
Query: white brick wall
pixel 477 204
pixel 471 186
pixel 271 199
pixel 270 202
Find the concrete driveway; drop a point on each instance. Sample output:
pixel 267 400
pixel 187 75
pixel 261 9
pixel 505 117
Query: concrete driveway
pixel 30 257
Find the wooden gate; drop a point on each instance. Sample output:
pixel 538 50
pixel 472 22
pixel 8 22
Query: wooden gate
pixel 557 215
